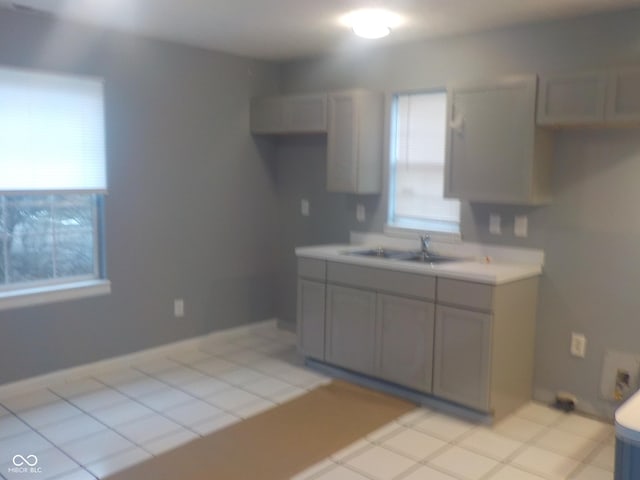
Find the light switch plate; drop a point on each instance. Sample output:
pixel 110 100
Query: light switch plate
pixel 495 224
pixel 304 207
pixel 521 226
pixel 360 213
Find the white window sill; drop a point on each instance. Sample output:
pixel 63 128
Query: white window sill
pixel 28 297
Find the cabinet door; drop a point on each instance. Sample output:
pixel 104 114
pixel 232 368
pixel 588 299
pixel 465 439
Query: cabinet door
pixel 267 115
pixel 462 351
pixel 490 141
pixel 623 103
pixel 305 113
pixel 351 315
pixel 342 143
pixel 404 351
pixel 572 99
pixel 311 318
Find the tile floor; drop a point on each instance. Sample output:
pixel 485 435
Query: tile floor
pixel 92 427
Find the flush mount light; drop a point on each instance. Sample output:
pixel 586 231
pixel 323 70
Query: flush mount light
pixel 371 22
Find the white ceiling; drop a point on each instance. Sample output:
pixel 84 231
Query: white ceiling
pixel 285 29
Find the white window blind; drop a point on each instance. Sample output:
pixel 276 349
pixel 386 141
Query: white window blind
pixel 417 164
pixel 51 133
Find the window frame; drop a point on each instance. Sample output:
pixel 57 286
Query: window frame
pixel 405 226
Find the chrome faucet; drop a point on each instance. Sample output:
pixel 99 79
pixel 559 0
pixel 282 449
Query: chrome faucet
pixel 425 242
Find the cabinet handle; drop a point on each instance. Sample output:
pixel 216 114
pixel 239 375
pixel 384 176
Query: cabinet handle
pixel 457 124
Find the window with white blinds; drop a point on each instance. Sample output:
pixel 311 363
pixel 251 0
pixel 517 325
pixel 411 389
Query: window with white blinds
pixel 416 171
pixel 52 177
pixel 51 133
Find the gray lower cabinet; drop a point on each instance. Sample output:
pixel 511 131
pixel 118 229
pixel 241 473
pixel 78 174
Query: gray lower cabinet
pixel 404 349
pixel 462 356
pixel 311 301
pixel 467 342
pixel 350 333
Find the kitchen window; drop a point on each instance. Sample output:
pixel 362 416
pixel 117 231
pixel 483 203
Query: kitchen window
pixel 52 182
pixel 416 167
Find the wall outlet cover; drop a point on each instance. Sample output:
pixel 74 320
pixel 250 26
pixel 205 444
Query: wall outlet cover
pixel 360 213
pixel 304 207
pixel 521 226
pixel 495 226
pixel 178 307
pixel 620 375
pixel 578 346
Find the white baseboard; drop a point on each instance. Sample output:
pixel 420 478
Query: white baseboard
pixel 88 369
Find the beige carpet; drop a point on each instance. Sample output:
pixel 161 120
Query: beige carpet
pixel 280 442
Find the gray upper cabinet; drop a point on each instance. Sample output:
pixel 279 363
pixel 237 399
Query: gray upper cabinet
pixel 405 341
pixel 354 142
pixel 495 153
pixel 603 98
pixel 623 102
pixel 289 114
pixel 572 99
pixel 350 324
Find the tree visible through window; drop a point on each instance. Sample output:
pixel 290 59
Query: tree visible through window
pixel 47 237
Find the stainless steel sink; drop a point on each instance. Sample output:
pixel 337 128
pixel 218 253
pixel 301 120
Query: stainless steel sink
pixel 384 253
pixel 404 255
pixel 419 257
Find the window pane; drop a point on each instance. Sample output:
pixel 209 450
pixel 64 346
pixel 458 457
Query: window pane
pixel 74 252
pixel 31 255
pixel 417 163
pixel 48 237
pixel 3 267
pixel 73 211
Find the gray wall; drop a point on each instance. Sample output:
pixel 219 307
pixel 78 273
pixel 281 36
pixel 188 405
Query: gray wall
pixel 192 207
pixel 591 231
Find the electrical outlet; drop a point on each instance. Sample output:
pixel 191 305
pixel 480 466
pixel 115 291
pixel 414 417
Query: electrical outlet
pixel 360 213
pixel 495 227
pixel 178 307
pixel 521 226
pixel 578 345
pixel 620 375
pixel 304 207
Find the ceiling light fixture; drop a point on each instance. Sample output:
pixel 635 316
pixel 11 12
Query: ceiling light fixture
pixel 371 23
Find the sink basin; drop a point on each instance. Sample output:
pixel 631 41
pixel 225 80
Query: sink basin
pixel 384 253
pixel 419 257
pixel 404 255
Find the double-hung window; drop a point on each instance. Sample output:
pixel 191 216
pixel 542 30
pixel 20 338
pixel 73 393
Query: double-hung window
pixel 52 178
pixel 416 170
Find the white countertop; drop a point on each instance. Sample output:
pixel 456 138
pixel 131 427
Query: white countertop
pixel 482 272
pixel 628 419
